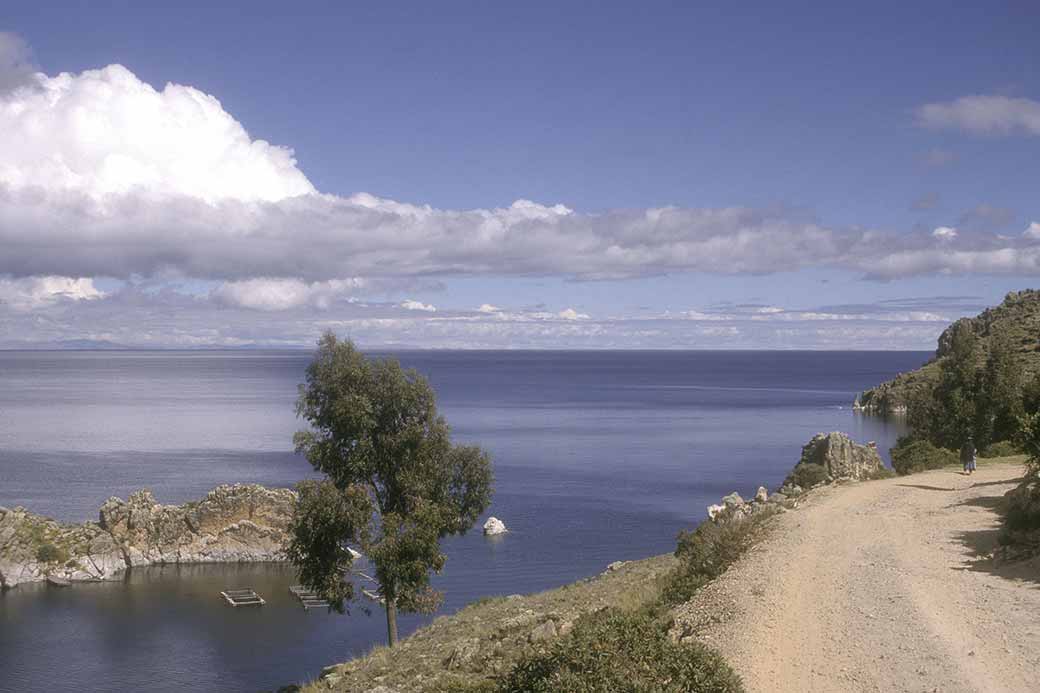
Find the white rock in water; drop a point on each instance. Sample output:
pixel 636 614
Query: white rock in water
pixel 494 526
pixel 762 495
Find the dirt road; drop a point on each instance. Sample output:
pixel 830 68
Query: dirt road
pixel 881 586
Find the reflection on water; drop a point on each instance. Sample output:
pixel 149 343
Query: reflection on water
pixel 174 619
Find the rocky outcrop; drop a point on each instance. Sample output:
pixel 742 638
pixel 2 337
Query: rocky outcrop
pixel 733 508
pixel 841 457
pixel 239 523
pixel 828 457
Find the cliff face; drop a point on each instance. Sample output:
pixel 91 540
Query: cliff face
pixel 239 523
pixel 1018 317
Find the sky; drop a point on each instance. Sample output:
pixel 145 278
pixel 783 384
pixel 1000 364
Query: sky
pixel 524 175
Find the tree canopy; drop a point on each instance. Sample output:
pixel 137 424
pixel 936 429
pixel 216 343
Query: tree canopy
pixel 394 484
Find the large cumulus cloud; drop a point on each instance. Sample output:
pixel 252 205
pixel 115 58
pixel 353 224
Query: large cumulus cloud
pixel 103 175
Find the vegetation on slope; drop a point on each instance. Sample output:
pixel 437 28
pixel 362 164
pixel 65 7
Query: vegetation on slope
pixel 608 633
pixel 1016 320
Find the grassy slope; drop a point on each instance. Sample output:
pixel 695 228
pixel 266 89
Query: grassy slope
pixel 486 638
pixel 1018 315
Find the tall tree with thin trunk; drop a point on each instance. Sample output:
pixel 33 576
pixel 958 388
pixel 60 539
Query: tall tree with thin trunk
pixel 394 483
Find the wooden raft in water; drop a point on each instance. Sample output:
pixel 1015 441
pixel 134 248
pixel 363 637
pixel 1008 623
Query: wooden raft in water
pixel 243 597
pixel 308 598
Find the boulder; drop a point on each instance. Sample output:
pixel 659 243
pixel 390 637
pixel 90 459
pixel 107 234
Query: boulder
pixel 733 500
pixel 494 526
pixel 733 508
pixel 843 458
pixel 543 632
pixel 762 495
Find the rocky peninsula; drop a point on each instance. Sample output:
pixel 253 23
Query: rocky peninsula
pixel 231 524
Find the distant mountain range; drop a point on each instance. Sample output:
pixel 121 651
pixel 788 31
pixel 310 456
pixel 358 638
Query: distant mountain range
pixel 1018 315
pixel 105 345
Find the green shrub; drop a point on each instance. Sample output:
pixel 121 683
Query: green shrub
pixel 49 553
pixel 1004 448
pixel 611 651
pixel 706 552
pixel 911 456
pixel 1023 507
pixel 807 475
pixel 882 473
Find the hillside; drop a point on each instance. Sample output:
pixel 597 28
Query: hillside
pixel 1018 315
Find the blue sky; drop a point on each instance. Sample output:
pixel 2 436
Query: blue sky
pixel 863 128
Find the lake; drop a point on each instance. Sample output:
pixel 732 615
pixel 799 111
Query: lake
pixel 599 456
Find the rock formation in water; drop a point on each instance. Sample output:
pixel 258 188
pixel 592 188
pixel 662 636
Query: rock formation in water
pixel 494 526
pixel 231 524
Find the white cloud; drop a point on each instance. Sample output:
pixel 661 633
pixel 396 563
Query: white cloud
pixel 37 292
pixel 945 233
pixel 571 314
pixel 983 114
pixel 284 294
pixel 1032 231
pixel 105 131
pixel 418 305
pixel 102 175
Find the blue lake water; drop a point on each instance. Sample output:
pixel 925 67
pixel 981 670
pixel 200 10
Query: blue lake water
pixel 599 456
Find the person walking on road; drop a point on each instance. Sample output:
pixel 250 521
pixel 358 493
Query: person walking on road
pixel 968 457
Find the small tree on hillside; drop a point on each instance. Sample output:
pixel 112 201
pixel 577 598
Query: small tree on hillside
pixel 395 485
pixel 1002 391
pixel 951 413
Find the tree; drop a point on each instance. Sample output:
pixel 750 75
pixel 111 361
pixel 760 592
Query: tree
pixel 1002 390
pixel 394 483
pixel 949 415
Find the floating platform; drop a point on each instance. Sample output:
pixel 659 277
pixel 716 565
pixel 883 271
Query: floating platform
pixel 373 596
pixel 308 598
pixel 243 597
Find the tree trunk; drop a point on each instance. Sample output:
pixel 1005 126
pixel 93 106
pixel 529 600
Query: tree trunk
pixel 391 621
